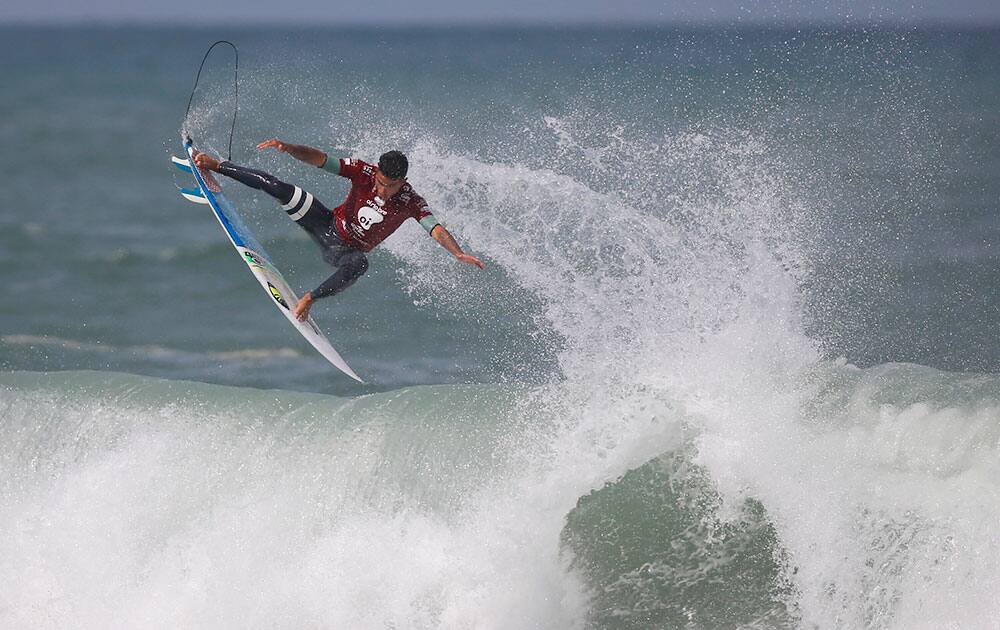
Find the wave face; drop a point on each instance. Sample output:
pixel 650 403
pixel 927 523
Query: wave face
pixel 137 502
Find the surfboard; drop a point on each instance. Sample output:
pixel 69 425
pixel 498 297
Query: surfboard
pixel 207 191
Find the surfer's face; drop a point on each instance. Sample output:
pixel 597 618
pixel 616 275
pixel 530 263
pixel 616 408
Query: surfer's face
pixel 385 187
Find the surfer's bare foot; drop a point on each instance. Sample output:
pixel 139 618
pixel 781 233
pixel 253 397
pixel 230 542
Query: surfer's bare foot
pixel 301 310
pixel 205 161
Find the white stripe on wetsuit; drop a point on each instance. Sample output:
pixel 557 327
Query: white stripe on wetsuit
pixel 295 200
pixel 294 203
pixel 305 208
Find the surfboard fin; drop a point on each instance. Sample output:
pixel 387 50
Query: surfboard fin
pixel 193 194
pixel 184 165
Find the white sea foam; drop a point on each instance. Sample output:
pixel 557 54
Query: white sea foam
pixel 686 308
pixel 131 502
pixel 161 352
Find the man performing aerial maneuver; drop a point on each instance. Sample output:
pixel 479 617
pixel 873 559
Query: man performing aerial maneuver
pixel 379 201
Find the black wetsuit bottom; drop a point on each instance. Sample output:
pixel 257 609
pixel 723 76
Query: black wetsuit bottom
pixel 316 219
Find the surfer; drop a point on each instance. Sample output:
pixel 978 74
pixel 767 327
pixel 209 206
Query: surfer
pixel 379 201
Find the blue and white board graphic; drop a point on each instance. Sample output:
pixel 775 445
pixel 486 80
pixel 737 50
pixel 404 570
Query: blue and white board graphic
pixel 209 192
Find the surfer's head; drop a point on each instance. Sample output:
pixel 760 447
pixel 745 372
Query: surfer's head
pixel 393 165
pixel 391 174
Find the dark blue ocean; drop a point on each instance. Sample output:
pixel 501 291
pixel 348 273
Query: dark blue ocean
pixel 733 362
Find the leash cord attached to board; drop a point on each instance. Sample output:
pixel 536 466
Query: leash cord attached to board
pixel 236 85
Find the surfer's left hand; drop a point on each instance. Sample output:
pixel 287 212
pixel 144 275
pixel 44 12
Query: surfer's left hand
pixel 301 311
pixel 273 143
pixel 472 260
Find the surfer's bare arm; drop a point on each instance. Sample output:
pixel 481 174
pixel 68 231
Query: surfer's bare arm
pixel 307 154
pixel 447 241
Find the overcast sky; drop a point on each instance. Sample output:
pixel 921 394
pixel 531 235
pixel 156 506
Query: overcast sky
pixel 985 12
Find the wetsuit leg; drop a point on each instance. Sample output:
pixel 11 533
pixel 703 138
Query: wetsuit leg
pixel 299 205
pixel 258 179
pixel 351 264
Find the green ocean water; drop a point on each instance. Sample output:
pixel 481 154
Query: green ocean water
pixel 733 361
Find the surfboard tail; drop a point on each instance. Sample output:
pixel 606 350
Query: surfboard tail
pixel 191 194
pixel 181 163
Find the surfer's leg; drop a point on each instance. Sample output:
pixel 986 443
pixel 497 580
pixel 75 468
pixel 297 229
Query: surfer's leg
pixel 310 213
pixel 351 263
pixel 299 205
pixel 260 180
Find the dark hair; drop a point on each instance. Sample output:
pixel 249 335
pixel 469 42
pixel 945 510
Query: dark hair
pixel 393 165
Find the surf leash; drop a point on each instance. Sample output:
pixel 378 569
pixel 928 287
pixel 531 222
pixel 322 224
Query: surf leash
pixel 236 88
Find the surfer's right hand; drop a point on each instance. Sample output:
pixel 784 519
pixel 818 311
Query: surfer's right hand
pixel 205 161
pixel 273 143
